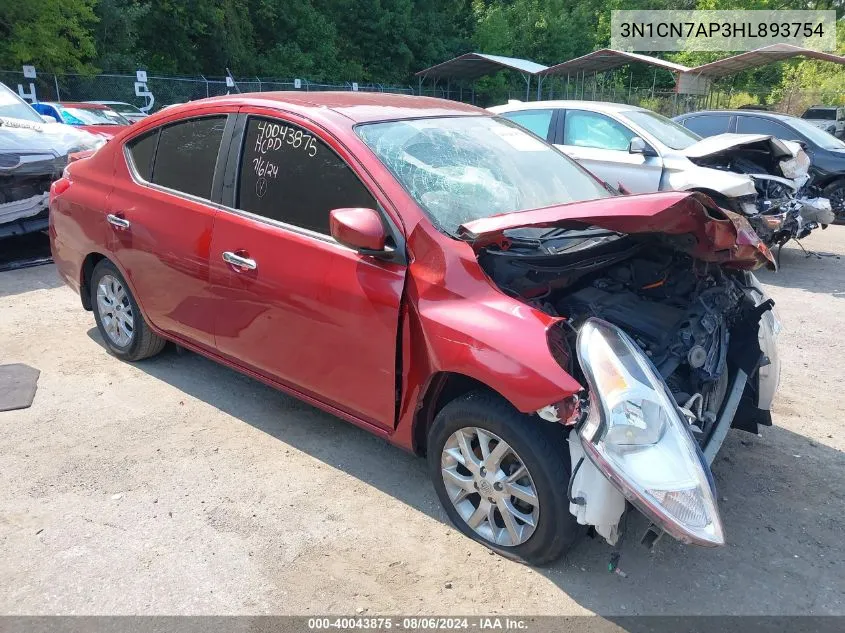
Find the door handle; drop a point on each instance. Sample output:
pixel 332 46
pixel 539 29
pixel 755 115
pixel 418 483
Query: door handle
pixel 240 262
pixel 117 222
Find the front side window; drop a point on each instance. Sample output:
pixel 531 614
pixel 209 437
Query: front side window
pixel 289 175
pixel 187 154
pixel 756 125
pixel 537 121
pixel 591 129
pixel 460 169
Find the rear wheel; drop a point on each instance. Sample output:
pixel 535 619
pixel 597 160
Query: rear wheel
pixel 502 478
pixel 118 317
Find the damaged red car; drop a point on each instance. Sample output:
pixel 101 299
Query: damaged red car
pixel 449 282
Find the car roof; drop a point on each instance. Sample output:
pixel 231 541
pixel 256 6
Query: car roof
pixel 764 114
pixel 595 106
pixel 351 107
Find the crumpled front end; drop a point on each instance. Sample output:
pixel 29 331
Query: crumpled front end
pixel 675 343
pixel 32 156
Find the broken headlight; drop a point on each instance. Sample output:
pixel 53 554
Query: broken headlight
pixel 636 437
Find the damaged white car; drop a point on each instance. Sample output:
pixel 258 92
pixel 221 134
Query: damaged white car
pixel 640 151
pixel 33 153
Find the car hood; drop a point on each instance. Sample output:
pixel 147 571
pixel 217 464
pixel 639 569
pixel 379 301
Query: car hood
pixel 691 222
pixel 721 143
pixel 57 138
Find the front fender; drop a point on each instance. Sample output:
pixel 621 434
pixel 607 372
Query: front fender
pixel 503 347
pixel 729 184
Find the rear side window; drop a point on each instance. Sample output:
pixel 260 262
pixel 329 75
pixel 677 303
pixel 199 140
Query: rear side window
pixel 187 153
pixel 708 124
pixel 142 152
pixel 289 175
pixel 536 121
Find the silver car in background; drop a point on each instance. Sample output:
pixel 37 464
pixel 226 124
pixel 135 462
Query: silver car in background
pixel 639 151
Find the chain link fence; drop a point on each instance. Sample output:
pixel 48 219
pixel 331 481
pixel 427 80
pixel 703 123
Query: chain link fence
pixel 160 91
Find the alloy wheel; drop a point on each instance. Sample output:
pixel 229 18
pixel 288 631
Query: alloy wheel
pixel 115 310
pixel 490 486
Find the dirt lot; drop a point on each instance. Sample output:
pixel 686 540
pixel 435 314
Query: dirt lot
pixel 178 486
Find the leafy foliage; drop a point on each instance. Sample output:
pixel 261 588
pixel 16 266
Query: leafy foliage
pixel 383 41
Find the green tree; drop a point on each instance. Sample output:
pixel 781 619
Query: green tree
pixel 52 35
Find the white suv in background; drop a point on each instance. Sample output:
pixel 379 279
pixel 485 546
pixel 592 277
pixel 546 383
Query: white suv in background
pixel 831 119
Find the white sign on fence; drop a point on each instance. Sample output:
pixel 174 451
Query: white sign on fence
pixel 141 90
pixel 297 83
pixel 29 72
pixel 230 83
pixel 141 76
pixel 355 86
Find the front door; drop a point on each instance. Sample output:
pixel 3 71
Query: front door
pixel 600 144
pixel 293 304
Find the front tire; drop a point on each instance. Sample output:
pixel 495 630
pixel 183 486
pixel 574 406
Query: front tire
pixel 118 317
pixel 835 192
pixel 502 478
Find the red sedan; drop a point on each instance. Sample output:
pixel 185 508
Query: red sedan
pixel 448 281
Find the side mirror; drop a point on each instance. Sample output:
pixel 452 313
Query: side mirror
pixel 637 146
pixel 357 228
pixel 49 119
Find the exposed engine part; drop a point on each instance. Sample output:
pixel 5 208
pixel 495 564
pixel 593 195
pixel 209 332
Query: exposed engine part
pixel 681 312
pixel 593 500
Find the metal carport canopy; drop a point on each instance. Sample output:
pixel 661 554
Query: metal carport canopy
pixel 608 59
pixel 475 65
pixel 761 57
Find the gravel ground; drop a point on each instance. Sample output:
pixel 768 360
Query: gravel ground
pixel 179 486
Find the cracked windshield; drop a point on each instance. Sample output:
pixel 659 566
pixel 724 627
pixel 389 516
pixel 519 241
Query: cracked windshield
pixel 465 168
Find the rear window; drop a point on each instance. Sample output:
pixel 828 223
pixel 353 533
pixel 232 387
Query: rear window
pixel 820 113
pixel 141 152
pixel 187 154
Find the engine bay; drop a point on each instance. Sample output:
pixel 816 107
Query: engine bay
pixel 683 313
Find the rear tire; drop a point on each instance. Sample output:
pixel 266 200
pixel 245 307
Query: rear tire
pixel 118 317
pixel 537 445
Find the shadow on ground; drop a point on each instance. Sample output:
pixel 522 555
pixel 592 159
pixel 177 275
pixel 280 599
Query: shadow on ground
pixel 821 272
pixel 18 255
pixel 781 498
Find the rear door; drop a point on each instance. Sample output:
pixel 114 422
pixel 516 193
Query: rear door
pixel 160 214
pixel 600 143
pixel 302 309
